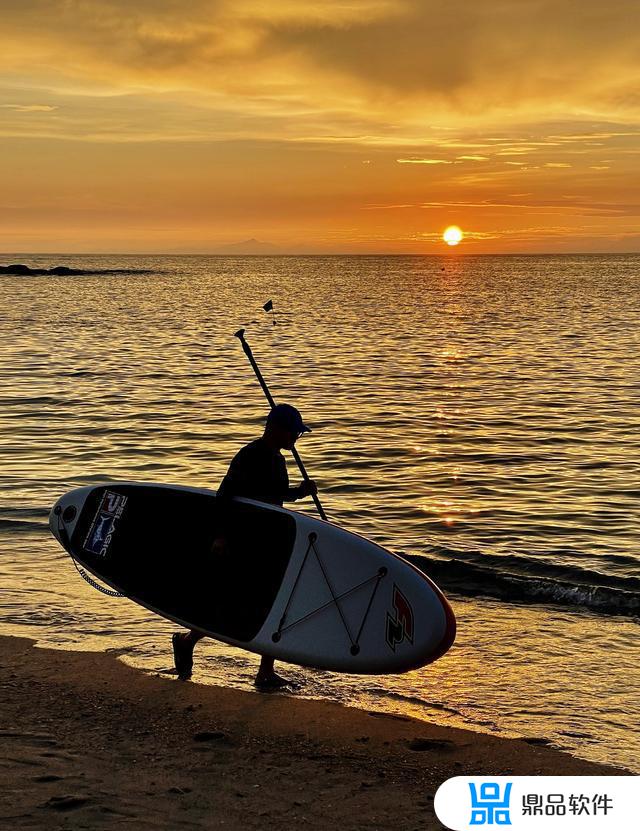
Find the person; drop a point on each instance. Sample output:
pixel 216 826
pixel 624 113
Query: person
pixel 258 471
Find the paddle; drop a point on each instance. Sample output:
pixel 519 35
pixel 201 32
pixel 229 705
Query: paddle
pixel 247 350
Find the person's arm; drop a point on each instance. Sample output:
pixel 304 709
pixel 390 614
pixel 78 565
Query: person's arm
pixel 306 488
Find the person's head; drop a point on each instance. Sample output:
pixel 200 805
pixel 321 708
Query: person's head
pixel 284 426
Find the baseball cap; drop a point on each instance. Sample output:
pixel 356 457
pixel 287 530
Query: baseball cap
pixel 284 415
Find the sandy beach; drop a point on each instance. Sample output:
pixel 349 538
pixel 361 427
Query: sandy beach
pixel 88 742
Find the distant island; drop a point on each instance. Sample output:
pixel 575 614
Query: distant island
pixel 20 270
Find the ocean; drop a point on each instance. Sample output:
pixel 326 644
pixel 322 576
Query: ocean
pixel 477 415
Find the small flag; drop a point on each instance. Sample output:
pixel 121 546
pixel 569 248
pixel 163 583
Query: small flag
pixel 268 307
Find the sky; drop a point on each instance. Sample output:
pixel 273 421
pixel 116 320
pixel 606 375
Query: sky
pixel 320 126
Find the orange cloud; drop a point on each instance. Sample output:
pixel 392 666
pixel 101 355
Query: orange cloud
pixel 232 114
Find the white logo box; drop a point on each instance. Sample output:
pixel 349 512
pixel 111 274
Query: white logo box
pixel 552 803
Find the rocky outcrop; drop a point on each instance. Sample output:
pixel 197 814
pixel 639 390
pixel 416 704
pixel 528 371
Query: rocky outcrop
pixel 20 270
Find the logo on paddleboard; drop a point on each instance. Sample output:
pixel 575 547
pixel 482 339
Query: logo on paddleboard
pixel 400 625
pixel 104 524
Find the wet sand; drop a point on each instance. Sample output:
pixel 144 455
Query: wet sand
pixel 88 742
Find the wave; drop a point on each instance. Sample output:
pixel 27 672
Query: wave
pixel 503 579
pixel 20 526
pixel 23 520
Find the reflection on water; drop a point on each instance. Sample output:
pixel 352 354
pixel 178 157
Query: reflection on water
pixel 481 420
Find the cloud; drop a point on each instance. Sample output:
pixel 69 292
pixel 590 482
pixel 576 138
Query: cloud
pixel 414 160
pixel 280 103
pixel 477 57
pixel 459 58
pixel 29 108
pixel 569 205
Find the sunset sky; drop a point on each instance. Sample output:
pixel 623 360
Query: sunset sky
pixel 320 125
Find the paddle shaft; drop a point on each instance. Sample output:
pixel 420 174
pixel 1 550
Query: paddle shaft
pixel 247 351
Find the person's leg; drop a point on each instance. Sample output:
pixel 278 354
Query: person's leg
pixel 267 678
pixel 183 644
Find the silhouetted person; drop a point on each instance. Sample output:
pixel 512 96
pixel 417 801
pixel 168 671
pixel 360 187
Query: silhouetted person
pixel 258 471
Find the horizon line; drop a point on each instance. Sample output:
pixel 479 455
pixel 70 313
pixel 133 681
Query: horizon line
pixel 272 255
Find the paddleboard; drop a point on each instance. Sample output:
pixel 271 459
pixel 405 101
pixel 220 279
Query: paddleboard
pixel 290 586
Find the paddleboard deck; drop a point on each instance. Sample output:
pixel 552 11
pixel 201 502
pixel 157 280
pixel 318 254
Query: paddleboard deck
pixel 288 585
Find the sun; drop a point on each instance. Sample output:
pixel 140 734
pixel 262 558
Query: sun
pixel 453 235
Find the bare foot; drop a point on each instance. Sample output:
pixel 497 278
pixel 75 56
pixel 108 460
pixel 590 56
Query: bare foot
pixel 183 654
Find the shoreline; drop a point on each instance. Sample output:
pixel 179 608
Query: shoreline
pixel 89 741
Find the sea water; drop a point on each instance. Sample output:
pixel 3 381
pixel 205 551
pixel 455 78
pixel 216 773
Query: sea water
pixel 477 415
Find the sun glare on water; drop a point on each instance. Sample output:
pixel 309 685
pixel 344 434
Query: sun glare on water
pixel 453 235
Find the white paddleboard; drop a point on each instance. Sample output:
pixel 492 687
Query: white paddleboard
pixel 288 586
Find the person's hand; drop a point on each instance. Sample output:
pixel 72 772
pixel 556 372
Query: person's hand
pixel 219 547
pixel 308 488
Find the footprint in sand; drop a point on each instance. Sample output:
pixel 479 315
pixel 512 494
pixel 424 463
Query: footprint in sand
pixel 430 744
pixel 69 802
